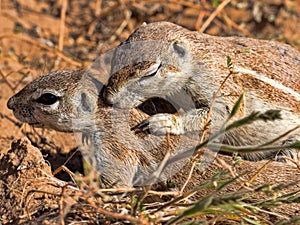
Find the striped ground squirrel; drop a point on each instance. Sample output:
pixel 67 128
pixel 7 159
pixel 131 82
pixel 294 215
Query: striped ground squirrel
pixel 163 59
pixel 69 101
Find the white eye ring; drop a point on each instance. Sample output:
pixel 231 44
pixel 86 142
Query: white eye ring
pixel 151 71
pixel 148 74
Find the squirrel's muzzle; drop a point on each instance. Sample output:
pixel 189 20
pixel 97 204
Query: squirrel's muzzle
pixel 108 96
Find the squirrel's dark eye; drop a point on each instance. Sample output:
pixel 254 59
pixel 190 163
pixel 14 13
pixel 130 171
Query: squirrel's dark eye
pixel 47 99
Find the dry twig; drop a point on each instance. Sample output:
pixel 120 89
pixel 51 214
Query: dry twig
pixel 41 45
pixel 213 15
pixel 62 25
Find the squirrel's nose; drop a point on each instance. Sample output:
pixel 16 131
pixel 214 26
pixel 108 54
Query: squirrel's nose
pixel 108 96
pixel 11 103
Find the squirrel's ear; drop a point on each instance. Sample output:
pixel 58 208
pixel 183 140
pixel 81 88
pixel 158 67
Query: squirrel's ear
pixel 86 104
pixel 179 49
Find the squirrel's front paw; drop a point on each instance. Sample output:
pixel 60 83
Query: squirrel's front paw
pixel 160 124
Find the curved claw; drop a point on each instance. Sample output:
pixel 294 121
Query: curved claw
pixel 85 139
pixel 141 127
